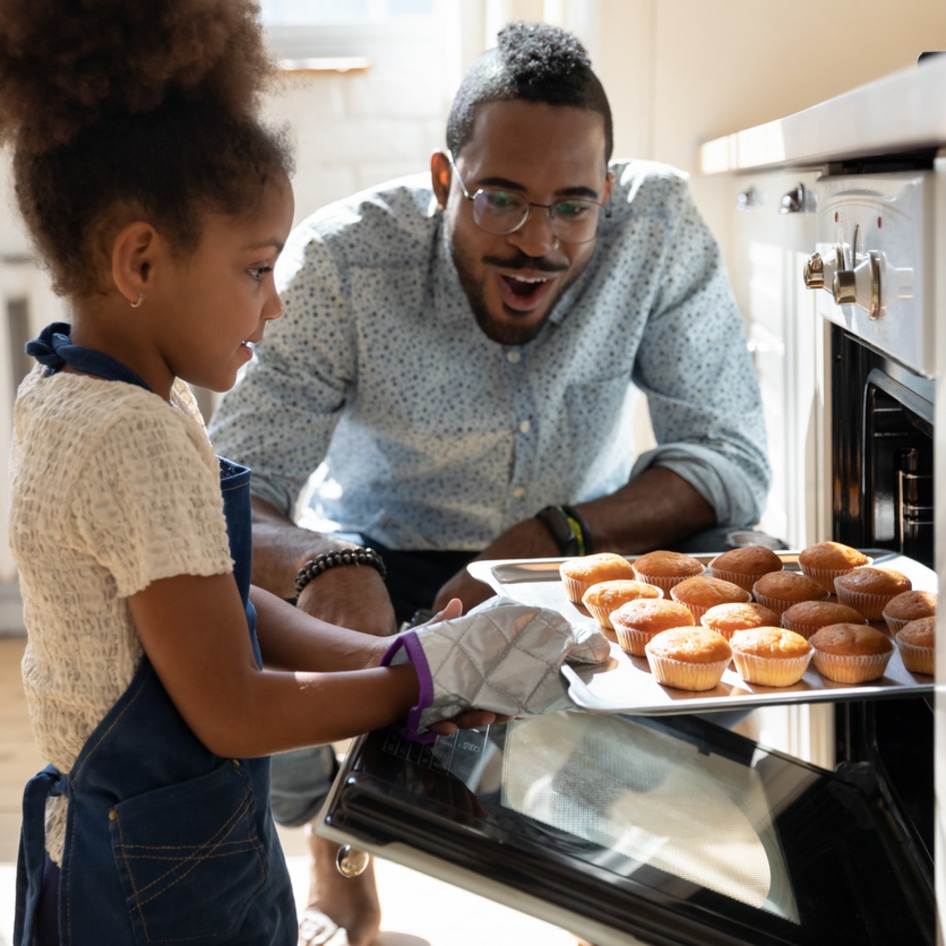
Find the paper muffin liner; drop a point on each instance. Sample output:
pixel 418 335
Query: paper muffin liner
pixel 871 606
pixel 685 674
pixel 633 641
pixel 799 627
pixel 825 576
pixel 574 588
pixel 737 578
pixel 895 624
pixel 851 668
pixel 664 582
pixel 917 659
pixel 777 605
pixel 771 671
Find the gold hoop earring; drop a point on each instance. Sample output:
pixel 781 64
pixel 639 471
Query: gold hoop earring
pixel 137 303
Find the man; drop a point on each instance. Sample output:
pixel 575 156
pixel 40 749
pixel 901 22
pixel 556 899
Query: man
pixel 460 358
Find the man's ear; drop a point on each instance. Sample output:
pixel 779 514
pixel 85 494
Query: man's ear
pixel 133 253
pixel 440 176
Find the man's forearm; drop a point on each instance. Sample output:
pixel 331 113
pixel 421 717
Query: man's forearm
pixel 655 509
pixel 281 548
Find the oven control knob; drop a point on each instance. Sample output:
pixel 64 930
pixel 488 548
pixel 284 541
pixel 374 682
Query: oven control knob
pixel 814 272
pixel 861 285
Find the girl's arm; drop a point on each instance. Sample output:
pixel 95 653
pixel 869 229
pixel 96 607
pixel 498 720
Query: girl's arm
pixel 194 631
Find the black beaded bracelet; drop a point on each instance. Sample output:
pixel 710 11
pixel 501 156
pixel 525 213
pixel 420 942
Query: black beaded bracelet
pixel 322 563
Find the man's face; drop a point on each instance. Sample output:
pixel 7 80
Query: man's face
pixel 546 154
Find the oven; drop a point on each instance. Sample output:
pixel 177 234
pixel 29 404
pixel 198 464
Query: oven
pixel 873 270
pixel 663 827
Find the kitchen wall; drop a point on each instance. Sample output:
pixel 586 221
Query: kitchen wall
pixel 678 72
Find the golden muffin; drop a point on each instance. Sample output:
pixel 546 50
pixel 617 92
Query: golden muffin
pixel 607 596
pixel 737 616
pixel 780 590
pixel 824 561
pixel 744 566
pixel 703 592
pixel 807 616
pixel 909 606
pixel 579 574
pixel 636 622
pixel 916 642
pixel 688 658
pixel 851 653
pixel 869 589
pixel 770 656
pixel 666 569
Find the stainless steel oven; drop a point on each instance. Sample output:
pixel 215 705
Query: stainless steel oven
pixel 874 267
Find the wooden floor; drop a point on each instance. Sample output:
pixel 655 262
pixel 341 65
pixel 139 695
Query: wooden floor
pixel 418 910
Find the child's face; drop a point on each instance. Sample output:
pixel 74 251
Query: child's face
pixel 224 293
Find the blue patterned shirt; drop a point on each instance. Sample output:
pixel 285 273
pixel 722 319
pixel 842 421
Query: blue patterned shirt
pixel 425 434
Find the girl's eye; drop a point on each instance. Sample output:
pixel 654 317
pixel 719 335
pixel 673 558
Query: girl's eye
pixel 258 272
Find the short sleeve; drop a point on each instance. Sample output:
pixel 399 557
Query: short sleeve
pixel 148 505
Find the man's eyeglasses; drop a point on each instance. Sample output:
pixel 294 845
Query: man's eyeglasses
pixel 500 211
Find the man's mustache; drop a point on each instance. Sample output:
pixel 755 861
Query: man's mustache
pixel 521 261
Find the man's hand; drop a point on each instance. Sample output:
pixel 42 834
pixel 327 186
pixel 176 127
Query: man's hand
pixel 528 539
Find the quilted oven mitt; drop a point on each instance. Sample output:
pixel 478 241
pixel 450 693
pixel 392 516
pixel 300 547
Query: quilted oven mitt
pixel 502 656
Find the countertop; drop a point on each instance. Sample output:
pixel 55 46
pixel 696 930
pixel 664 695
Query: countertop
pixel 904 111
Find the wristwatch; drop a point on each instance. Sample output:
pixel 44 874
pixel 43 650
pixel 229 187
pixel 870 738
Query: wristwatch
pixel 568 528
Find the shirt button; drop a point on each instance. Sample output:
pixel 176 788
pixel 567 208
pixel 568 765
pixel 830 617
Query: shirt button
pixel 525 426
pixel 514 357
pixel 518 492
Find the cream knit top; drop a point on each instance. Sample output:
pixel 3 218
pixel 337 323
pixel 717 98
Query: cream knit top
pixel 112 489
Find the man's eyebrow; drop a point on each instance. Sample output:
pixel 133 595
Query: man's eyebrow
pixel 579 191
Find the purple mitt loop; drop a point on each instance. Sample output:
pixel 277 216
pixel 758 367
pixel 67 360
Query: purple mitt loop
pixel 406 648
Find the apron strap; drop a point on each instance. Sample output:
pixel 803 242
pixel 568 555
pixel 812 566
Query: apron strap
pixel 31 858
pixel 55 350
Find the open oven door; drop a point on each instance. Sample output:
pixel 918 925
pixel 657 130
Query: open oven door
pixel 623 829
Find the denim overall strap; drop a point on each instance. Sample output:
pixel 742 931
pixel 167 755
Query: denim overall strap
pixel 165 841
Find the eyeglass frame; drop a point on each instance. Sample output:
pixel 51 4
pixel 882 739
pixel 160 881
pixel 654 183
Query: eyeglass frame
pixel 549 208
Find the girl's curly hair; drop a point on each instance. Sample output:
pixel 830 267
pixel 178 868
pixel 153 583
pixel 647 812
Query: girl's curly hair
pixel 147 108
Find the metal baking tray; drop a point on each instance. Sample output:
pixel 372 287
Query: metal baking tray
pixel 624 684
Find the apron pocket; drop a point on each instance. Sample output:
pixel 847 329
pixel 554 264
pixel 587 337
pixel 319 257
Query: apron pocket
pixel 189 856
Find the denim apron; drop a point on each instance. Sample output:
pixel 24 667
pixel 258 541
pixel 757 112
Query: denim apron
pixel 165 841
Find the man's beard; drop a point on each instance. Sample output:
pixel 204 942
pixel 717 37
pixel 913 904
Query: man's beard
pixel 505 331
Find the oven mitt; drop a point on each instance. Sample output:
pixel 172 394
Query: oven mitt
pixel 503 656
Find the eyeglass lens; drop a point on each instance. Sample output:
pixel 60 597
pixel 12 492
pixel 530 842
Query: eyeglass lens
pixel 499 211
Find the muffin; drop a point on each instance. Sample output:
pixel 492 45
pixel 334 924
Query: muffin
pixel 607 596
pixel 851 653
pixel 703 592
pixel 666 569
pixel 916 643
pixel 744 566
pixel 908 606
pixel 737 616
pixel 868 589
pixel 579 574
pixel 780 590
pixel 825 561
pixel 636 622
pixel 806 617
pixel 770 656
pixel 688 658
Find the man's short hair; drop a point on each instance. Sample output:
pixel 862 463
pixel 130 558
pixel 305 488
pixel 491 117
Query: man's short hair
pixel 532 62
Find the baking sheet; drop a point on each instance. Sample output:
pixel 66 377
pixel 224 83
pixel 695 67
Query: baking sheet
pixel 624 684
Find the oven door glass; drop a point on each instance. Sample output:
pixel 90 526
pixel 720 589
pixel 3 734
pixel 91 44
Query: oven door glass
pixel 668 830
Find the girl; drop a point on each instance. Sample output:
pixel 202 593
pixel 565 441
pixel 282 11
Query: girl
pixel 160 204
